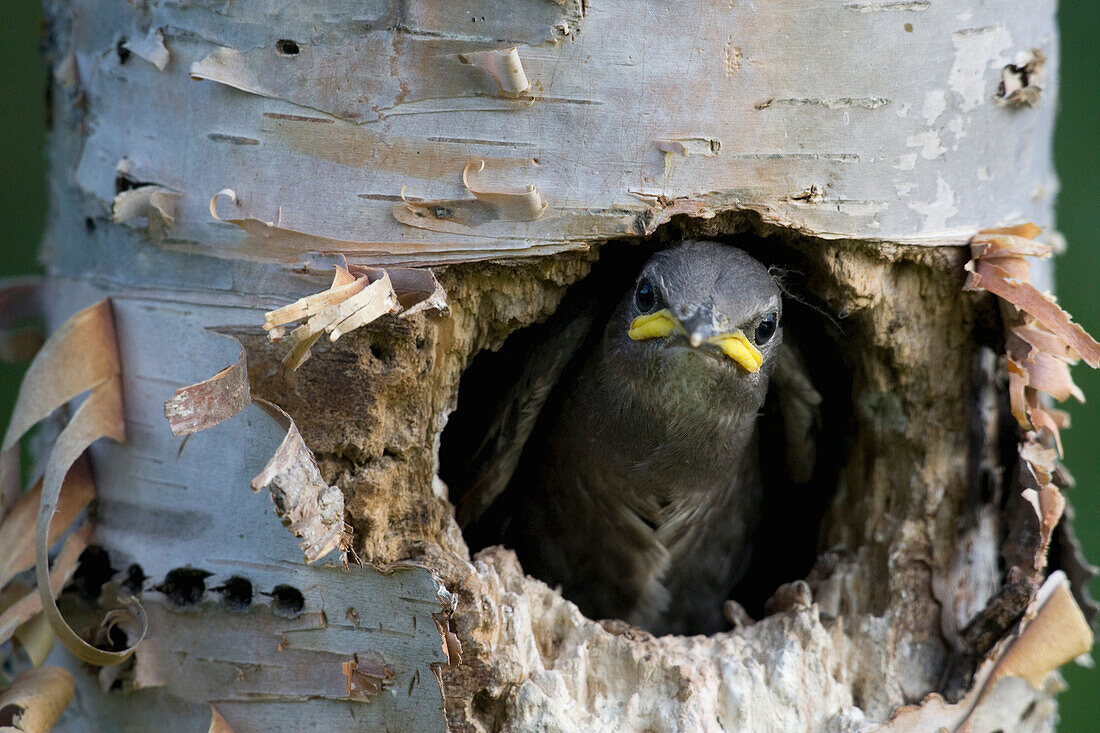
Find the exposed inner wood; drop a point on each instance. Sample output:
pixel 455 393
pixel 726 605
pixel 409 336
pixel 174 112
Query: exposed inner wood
pixel 887 588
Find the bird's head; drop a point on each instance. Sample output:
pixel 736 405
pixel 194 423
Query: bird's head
pixel 701 316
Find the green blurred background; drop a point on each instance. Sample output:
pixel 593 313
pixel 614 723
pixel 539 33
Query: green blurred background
pixel 1077 145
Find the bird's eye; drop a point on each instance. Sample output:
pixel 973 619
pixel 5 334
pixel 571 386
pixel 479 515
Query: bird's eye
pixel 766 328
pixel 646 296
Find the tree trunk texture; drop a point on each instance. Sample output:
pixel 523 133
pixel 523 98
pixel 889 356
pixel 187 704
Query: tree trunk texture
pixel 214 162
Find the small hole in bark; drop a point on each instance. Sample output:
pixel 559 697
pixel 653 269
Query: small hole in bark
pixel 9 714
pixel 184 586
pixel 92 571
pixel 236 592
pixel 785 547
pixel 286 601
pixel 135 579
pixel 384 352
pixel 1018 76
pixel 121 50
pixel 89 224
pixel 286 47
pixel 1020 84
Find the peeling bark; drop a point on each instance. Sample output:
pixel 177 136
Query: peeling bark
pixel 213 165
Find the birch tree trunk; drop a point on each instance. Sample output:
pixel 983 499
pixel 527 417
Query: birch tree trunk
pixel 214 162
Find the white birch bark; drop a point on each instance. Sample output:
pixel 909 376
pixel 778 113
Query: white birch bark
pixel 421 133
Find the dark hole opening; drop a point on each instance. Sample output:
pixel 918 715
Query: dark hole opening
pixel 236 592
pixel 286 47
pixel 123 52
pixel 116 640
pixel 92 571
pixel 9 714
pixel 135 579
pixel 786 544
pixel 286 601
pixel 184 586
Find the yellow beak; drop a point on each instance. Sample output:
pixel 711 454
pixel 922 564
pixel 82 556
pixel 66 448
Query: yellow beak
pixel 663 324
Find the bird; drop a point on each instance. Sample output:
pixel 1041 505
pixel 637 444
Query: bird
pixel 623 464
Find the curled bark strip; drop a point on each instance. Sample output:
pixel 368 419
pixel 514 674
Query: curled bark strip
pixel 502 193
pixel 366 676
pixel 1027 298
pixel 343 287
pixel 36 700
pixel 313 510
pixel 525 205
pixel 204 405
pixel 157 204
pixel 1041 340
pixel 151 48
pixel 30 604
pixel 1041 343
pixel 357 296
pixel 998 265
pixel 100 416
pixel 1048 374
pixel 417 290
pixel 374 301
pixel 17 531
pixel 343 308
pixel 456 216
pixel 504 66
pixel 1052 632
pixel 80 355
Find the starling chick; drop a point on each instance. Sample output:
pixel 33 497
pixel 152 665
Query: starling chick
pixel 644 495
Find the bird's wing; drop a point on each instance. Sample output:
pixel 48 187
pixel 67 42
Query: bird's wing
pixel 799 409
pixel 542 353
